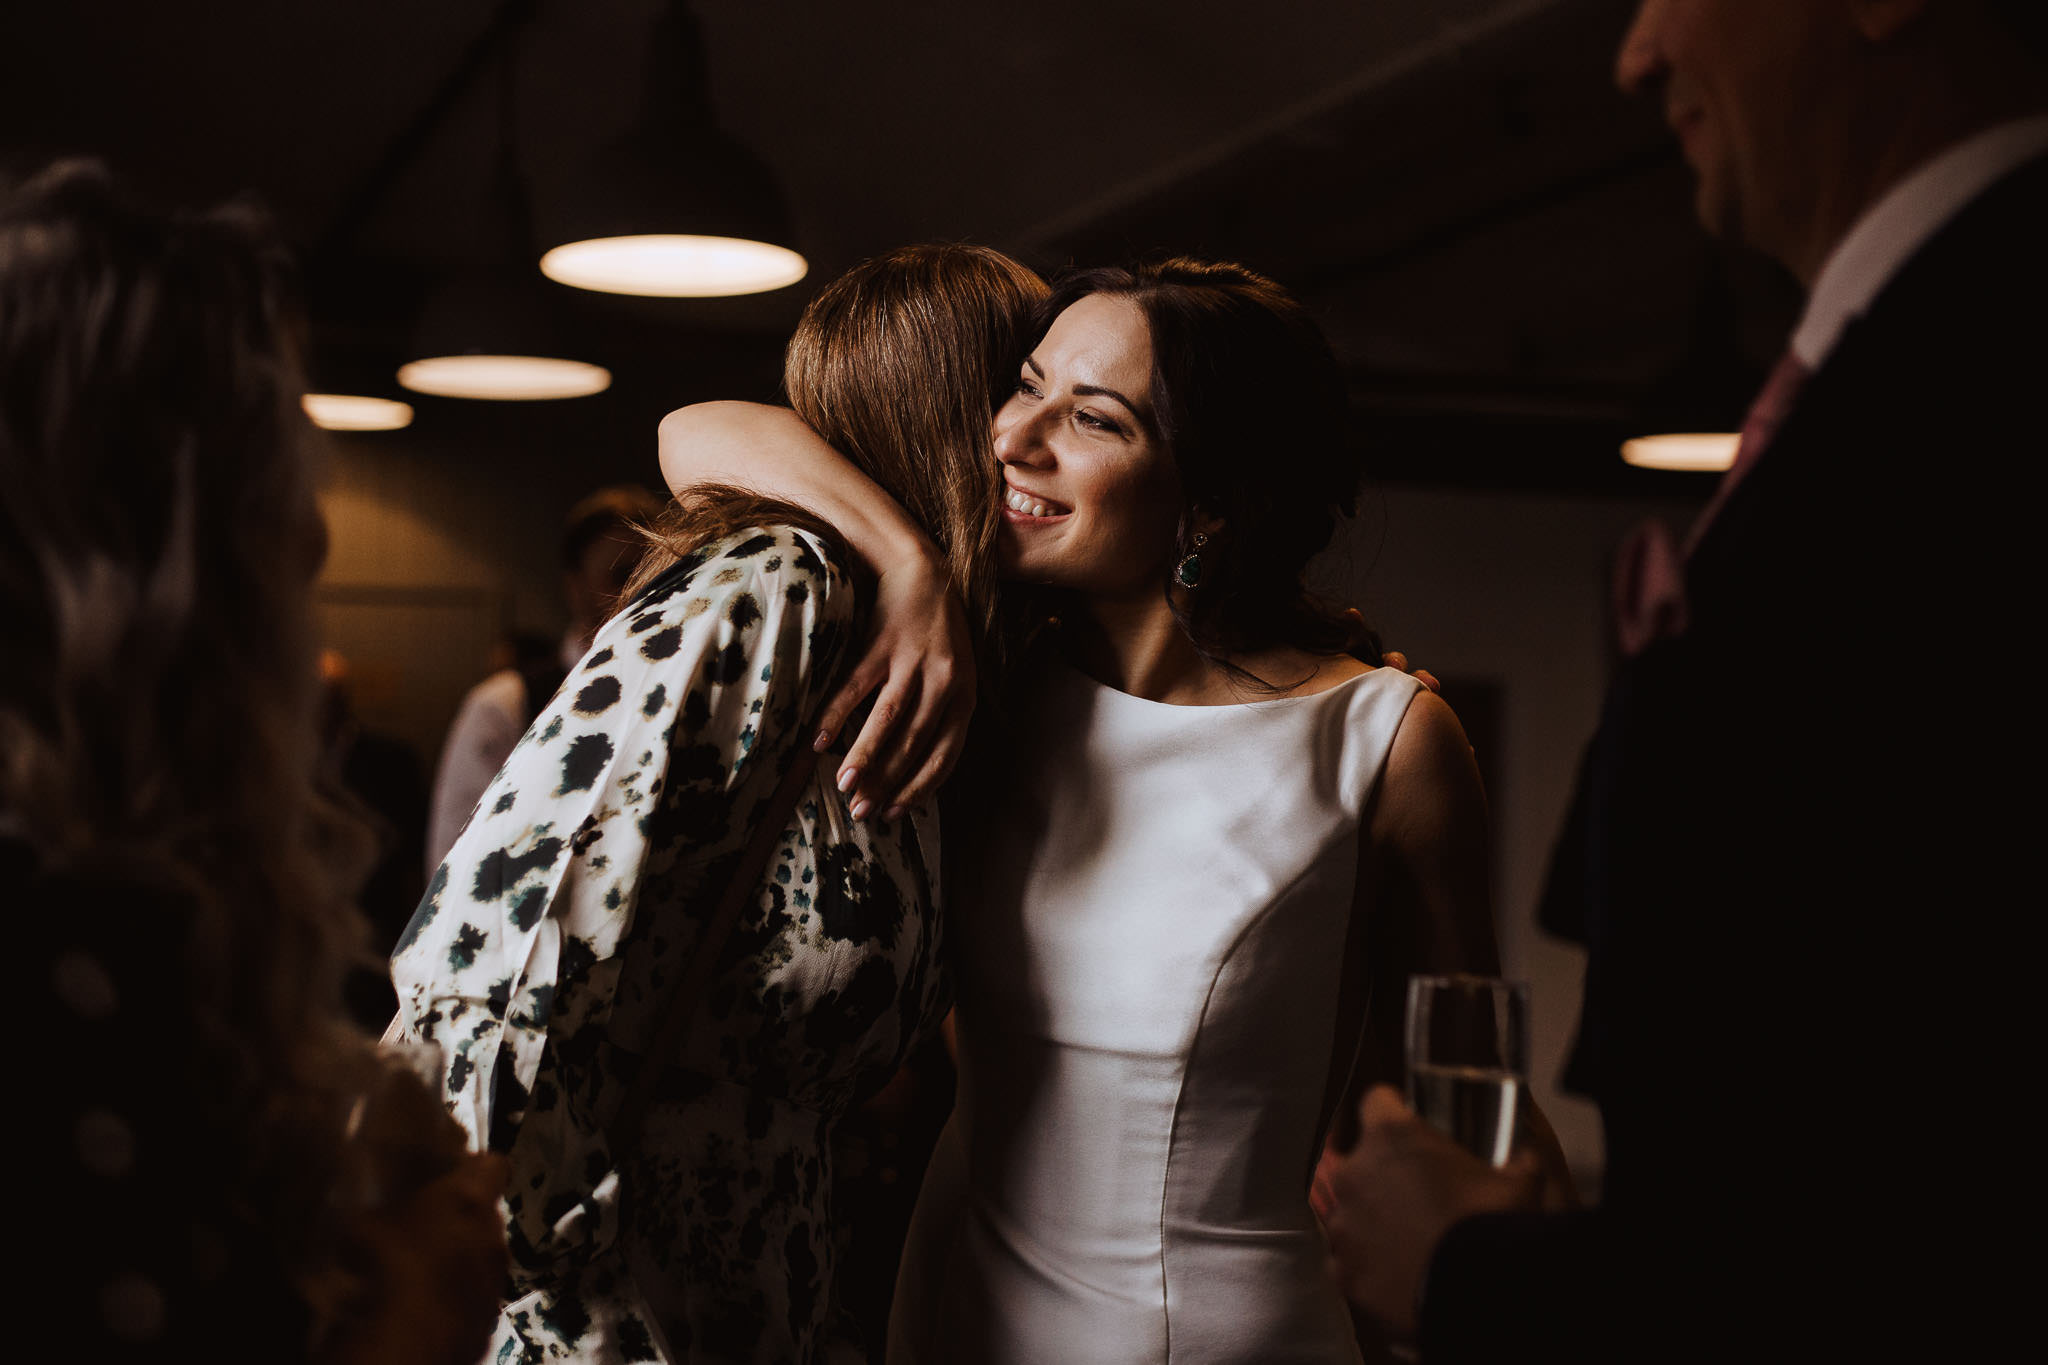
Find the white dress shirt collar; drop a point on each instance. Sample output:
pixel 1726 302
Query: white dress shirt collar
pixel 1902 221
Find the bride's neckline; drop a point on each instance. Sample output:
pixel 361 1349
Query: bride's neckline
pixel 1250 702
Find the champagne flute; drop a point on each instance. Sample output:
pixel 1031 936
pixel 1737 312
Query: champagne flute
pixel 1468 1058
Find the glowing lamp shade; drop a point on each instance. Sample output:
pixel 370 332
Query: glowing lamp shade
pixel 1696 450
pixel 503 378
pixel 356 412
pixel 673 265
pixel 675 206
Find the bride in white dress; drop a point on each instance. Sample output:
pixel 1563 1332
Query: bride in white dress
pixel 1194 859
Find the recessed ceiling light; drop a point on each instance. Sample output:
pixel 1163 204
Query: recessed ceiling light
pixel 673 265
pixel 504 378
pixel 356 412
pixel 1692 450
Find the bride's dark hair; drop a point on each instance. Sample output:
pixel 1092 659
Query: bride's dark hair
pixel 1251 406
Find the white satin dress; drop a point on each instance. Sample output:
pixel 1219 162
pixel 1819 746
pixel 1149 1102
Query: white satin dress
pixel 1150 945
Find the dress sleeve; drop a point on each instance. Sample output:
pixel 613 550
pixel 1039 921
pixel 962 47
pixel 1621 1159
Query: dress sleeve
pixel 643 777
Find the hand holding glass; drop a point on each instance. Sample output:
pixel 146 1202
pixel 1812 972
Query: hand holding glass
pixel 1468 1058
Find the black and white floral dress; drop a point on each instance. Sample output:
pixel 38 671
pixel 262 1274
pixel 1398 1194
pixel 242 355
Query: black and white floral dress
pixel 539 958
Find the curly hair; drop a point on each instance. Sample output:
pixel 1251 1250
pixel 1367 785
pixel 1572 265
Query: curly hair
pixel 158 540
pixel 1252 408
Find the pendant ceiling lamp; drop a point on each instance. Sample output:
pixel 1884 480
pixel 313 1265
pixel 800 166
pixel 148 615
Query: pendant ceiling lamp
pixel 676 208
pixel 490 333
pixel 503 378
pixel 1739 312
pixel 356 412
pixel 1701 451
pixel 348 375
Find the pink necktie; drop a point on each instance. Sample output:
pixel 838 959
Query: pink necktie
pixel 1766 415
pixel 1649 575
pixel 1649 588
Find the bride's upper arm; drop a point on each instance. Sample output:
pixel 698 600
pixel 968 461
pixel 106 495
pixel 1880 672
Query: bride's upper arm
pixel 1429 834
pixel 1423 896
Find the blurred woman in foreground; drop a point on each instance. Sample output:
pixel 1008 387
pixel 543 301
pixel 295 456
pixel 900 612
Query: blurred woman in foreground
pixel 221 1168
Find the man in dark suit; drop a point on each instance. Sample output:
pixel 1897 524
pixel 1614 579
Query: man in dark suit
pixel 1798 854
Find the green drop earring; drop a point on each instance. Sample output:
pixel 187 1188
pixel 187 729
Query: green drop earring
pixel 1188 573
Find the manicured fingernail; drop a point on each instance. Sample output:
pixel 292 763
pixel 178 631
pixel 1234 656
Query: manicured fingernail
pixel 847 777
pixel 818 744
pixel 860 809
pixel 893 813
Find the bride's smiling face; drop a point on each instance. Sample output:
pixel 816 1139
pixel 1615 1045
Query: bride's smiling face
pixel 1092 499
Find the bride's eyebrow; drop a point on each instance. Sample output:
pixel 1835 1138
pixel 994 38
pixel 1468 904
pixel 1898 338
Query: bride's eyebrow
pixel 1097 391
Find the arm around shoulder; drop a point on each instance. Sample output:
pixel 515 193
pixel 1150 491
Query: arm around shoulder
pixel 709 442
pixel 919 664
pixel 771 450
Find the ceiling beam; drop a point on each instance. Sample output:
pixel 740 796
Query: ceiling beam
pixel 405 146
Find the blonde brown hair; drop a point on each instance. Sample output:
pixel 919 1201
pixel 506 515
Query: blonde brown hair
pixel 899 364
pixel 158 539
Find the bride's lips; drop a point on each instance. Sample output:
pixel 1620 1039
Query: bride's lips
pixel 1021 508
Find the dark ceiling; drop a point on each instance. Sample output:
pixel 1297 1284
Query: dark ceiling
pixel 1500 246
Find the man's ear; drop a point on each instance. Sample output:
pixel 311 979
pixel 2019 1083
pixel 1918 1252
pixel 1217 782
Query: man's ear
pixel 1880 21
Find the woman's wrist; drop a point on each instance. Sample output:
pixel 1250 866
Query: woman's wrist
pixel 902 549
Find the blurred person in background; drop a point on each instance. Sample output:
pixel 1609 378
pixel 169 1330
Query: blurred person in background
pixel 219 1166
pixel 521 650
pixel 600 543
pixel 377 778
pixel 1796 855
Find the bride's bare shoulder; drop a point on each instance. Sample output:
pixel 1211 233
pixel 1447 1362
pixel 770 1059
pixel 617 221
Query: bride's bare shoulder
pixel 1298 673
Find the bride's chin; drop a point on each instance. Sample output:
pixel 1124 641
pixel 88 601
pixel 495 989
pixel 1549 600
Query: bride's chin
pixel 1014 567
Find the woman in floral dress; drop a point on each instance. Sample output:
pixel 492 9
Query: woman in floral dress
pixel 551 938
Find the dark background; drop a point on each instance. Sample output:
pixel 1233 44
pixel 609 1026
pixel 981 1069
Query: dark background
pixel 1499 244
